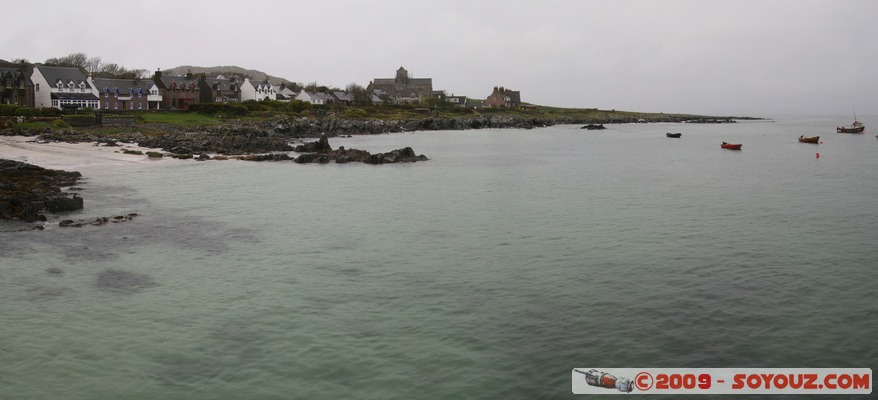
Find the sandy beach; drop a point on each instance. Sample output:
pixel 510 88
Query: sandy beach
pixel 72 156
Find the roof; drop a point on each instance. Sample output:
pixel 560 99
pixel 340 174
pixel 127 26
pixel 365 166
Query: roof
pixel 74 96
pixel 343 96
pixel 124 85
pixel 320 95
pixel 166 81
pixel 65 74
pixel 17 75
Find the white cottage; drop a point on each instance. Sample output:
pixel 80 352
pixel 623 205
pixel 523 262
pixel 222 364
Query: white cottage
pixel 63 87
pixel 258 90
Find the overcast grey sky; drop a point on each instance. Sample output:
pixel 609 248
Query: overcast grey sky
pixel 728 57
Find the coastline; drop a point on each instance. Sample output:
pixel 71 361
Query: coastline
pixel 80 156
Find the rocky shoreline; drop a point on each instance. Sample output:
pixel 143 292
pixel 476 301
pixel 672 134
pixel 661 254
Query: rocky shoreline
pixel 240 137
pixel 28 191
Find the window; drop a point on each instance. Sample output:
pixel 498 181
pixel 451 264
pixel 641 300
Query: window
pixel 37 87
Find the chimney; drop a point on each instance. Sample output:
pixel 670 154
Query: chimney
pixel 158 73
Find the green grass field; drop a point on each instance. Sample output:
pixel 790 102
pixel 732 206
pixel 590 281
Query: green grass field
pixel 180 119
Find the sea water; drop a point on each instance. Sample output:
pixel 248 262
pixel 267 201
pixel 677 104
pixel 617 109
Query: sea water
pixel 490 271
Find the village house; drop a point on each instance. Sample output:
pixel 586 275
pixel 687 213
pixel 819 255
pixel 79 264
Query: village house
pixel 177 92
pixel 63 87
pixel 403 89
pixel 344 98
pixel 315 97
pixel 219 89
pixel 455 100
pixel 127 94
pixel 286 93
pixel 15 87
pixel 502 97
pixel 258 90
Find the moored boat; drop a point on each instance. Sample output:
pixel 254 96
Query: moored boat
pixel 731 146
pixel 815 139
pixel 856 126
pixel 674 135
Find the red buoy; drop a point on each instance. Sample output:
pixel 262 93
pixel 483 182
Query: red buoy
pixel 818 155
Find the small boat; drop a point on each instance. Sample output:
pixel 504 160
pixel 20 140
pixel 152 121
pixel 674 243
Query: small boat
pixel 856 126
pixel 731 146
pixel 674 135
pixel 815 139
pixel 593 127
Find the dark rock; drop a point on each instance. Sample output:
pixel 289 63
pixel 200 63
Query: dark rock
pixel 267 157
pixel 27 190
pixel 61 204
pixel 55 271
pixel 343 155
pixel 69 223
pixel 320 146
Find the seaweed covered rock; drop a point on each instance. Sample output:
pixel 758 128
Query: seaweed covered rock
pixel 26 191
pixel 320 155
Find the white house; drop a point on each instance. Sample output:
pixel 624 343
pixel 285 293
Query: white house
pixel 314 97
pixel 61 87
pixel 258 90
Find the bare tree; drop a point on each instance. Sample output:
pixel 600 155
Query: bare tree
pixel 361 97
pixel 70 60
pixel 142 73
pixel 93 65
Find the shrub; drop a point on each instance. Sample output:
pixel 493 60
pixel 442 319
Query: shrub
pixel 355 113
pixel 253 105
pixel 49 112
pixel 26 112
pixel 224 109
pixel 298 106
pixel 8 109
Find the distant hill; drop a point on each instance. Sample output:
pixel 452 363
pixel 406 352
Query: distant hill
pixel 225 71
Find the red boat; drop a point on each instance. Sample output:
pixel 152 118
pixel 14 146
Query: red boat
pixel 731 146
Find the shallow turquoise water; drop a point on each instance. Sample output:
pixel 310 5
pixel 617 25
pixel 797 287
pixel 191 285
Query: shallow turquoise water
pixel 490 271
